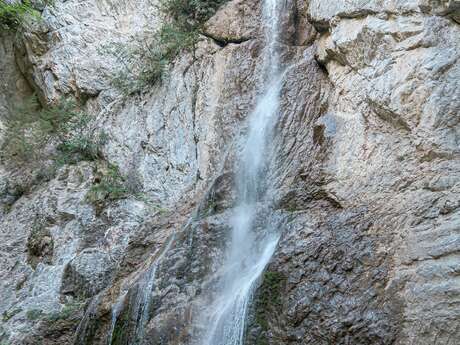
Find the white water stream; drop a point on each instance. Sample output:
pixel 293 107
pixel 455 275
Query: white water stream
pixel 250 249
pixel 141 306
pixel 252 242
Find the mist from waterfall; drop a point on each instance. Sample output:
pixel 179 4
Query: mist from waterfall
pixel 252 245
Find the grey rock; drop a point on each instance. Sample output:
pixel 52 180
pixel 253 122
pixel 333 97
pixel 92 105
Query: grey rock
pixel 364 177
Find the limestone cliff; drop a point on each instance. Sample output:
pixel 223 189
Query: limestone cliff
pixel 367 177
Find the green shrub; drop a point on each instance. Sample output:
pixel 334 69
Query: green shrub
pixel 142 63
pixel 145 61
pixel 84 147
pixel 34 314
pixel 21 133
pixel 68 311
pixel 189 14
pixel 31 129
pixel 269 299
pixel 8 314
pixel 13 15
pixel 108 185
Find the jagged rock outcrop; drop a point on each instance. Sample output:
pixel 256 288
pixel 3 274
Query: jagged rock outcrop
pixel 371 252
pixel 365 176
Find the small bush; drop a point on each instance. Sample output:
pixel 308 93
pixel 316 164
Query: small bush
pixel 13 15
pixel 22 138
pixel 68 311
pixel 269 299
pixel 84 147
pixel 108 185
pixel 189 14
pixel 31 130
pixel 40 245
pixel 142 63
pixel 145 61
pixel 8 314
pixel 34 314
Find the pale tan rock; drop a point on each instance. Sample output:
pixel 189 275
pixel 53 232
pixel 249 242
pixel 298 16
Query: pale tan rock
pixel 236 21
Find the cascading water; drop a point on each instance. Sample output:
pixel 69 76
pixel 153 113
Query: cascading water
pixel 116 308
pixel 140 303
pixel 250 249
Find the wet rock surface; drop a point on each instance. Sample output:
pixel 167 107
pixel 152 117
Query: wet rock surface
pixel 365 178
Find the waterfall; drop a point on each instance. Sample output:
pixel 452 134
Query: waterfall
pixel 139 303
pixel 85 327
pixel 116 309
pixel 251 245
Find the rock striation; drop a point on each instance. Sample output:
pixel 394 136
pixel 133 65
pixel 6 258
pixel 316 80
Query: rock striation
pixel 365 178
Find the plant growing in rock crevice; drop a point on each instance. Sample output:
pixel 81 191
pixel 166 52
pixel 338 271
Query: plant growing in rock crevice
pixel 40 245
pixel 8 314
pixel 68 311
pixel 34 314
pixel 39 140
pixel 145 60
pixel 108 185
pixel 31 132
pixel 269 296
pixel 268 302
pixel 13 15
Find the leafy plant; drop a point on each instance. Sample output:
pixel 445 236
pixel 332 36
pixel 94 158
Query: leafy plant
pixel 189 14
pixel 145 61
pixel 14 14
pixel 20 129
pixel 39 244
pixel 34 314
pixel 142 63
pixel 67 311
pixel 108 185
pixel 30 129
pixel 269 299
pixel 8 314
pixel 83 147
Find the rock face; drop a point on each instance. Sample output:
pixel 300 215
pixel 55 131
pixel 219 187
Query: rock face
pixel 365 176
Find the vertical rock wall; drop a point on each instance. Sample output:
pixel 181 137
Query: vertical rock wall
pixel 366 178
